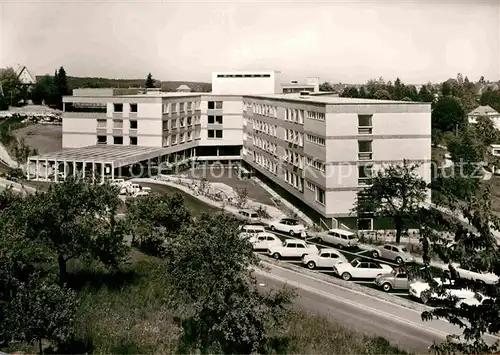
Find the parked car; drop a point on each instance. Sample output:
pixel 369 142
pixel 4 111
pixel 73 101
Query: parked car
pixel 420 291
pixel 263 241
pixel 326 258
pixel 249 216
pixel 250 230
pixel 340 238
pixel 361 269
pixel 477 300
pixel 288 225
pixel 395 280
pixel 292 248
pixel 395 253
pixel 475 274
pixel 140 194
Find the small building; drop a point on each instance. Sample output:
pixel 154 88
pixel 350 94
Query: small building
pixel 183 88
pixel 484 111
pixel 25 76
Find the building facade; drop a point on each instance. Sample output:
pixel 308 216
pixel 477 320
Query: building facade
pixel 321 149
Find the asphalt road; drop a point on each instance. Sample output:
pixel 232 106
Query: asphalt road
pixel 364 313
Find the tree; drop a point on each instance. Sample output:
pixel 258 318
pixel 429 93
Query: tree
pixel 208 264
pixel 61 83
pixel 41 311
pixel 75 219
pixel 156 218
pixel 11 86
pixel 362 92
pixel 241 196
pixel 45 90
pixel 150 82
pixel 382 94
pixel 491 98
pixel 396 192
pixel 326 86
pixel 350 92
pixel 447 114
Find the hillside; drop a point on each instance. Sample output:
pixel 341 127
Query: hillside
pixel 96 82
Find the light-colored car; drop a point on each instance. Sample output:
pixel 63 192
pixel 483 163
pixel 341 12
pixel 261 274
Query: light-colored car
pixel 326 258
pixel 475 274
pixel 248 216
pixel 477 300
pixel 361 269
pixel 288 225
pixel 421 291
pixel 395 253
pixel 340 238
pixel 395 280
pixel 251 230
pixel 263 241
pixel 138 194
pixel 292 248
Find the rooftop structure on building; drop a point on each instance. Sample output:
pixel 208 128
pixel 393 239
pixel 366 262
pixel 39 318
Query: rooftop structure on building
pixel 320 148
pixel 484 111
pixel 183 88
pixel 25 76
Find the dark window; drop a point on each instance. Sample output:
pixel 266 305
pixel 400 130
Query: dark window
pixel 102 139
pixel 301 246
pixel 291 245
pixel 133 124
pixel 133 140
pixel 118 140
pixel 388 247
pixel 218 133
pixel 325 255
pixel 211 119
pixel 211 133
pixel 365 171
pixel 364 224
pixel 364 120
pixel 401 276
pixel 218 119
pixel 133 107
pixel 84 107
pixel 364 146
pixel 211 105
pixel 117 107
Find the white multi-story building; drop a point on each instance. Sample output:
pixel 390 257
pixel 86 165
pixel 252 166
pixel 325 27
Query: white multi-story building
pixel 320 149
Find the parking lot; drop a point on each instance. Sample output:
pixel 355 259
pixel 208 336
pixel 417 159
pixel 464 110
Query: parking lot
pixel 350 254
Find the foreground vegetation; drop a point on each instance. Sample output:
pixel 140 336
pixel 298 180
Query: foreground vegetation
pixel 69 283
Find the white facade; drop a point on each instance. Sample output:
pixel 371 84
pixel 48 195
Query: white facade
pixel 318 148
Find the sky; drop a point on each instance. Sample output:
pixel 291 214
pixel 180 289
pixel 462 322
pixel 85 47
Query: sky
pixel 337 41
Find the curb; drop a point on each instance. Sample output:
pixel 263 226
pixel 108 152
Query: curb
pixel 347 285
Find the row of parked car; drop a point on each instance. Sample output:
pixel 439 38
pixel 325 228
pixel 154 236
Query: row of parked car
pixel 130 189
pixel 384 276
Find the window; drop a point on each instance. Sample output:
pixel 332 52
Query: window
pixel 117 124
pixel 118 140
pixel 365 224
pixel 364 174
pixel 365 124
pixel 133 124
pixel 173 139
pixel 101 123
pixel 218 133
pixel 315 139
pixel 174 123
pixel 181 122
pixel 365 150
pixel 189 106
pixel 320 116
pixel 316 164
pixel 190 136
pixel 133 108
pixel 310 186
pixel 117 107
pixel 320 195
pixel 214 105
pixel 189 120
pixel 102 139
pixel 165 108
pixel 215 119
pixel 173 107
pixel 214 133
pixel 181 107
pixel 133 140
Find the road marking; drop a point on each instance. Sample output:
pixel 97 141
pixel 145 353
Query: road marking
pixel 363 252
pixel 354 291
pixel 356 304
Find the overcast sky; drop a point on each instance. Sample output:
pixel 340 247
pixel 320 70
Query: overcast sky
pixel 339 41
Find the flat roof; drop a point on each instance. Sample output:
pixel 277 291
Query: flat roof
pixel 331 100
pixel 115 154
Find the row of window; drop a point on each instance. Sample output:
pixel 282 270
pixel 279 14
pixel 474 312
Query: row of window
pixel 294 115
pixel 319 193
pixel 294 158
pixel 215 105
pixel 215 133
pixel 315 139
pixel 181 122
pixel 117 124
pixel 316 164
pixel 320 116
pixel 261 109
pixel 243 75
pixel 266 145
pixel 265 127
pixel 180 107
pixel 214 119
pixel 117 108
pixel 294 137
pixel 181 137
pixel 295 180
pixel 265 162
pixel 117 140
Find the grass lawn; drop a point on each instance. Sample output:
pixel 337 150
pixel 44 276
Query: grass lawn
pixel 192 203
pixel 127 312
pixel 42 137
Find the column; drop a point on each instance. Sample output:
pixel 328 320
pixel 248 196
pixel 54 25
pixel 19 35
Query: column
pixel 217 151
pixel 65 169
pixel 93 171
pixel 46 169
pixel 56 171
pixel 84 166
pixel 102 172
pixel 28 165
pixel 112 171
